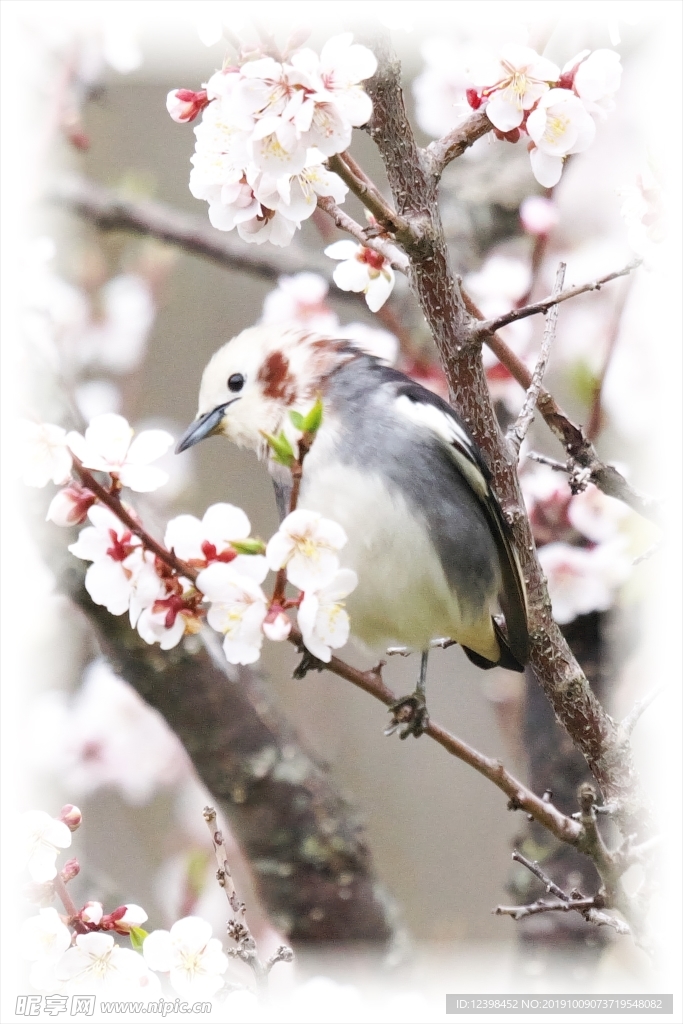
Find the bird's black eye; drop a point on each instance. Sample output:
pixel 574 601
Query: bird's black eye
pixel 236 382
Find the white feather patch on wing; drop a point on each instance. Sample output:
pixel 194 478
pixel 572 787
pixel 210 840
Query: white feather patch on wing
pixel 448 430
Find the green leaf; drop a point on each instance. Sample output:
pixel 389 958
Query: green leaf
pixel 281 449
pixel 313 418
pixel 250 546
pixel 137 937
pixel 297 419
pixel 583 381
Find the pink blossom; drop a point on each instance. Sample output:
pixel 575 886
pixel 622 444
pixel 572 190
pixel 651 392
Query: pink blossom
pixel 515 84
pixel 108 446
pixel 583 580
pixel 300 299
pixel 211 540
pixel 362 270
pixel 70 506
pixel 538 215
pixel 45 454
pixel 185 104
pixel 277 625
pixel 560 125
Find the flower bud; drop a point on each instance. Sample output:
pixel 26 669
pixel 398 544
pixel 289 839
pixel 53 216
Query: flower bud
pixel 70 870
pixel 278 627
pixel 128 916
pixel 70 506
pixel 92 913
pixel 183 104
pixel 71 816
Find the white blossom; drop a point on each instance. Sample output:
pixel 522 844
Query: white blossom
pixel 117 339
pixel 195 961
pixel 201 542
pixel 44 455
pixel 322 618
pixel 92 913
pixel 560 125
pixel 44 837
pixel 295 197
pixel 440 90
pixel 597 80
pixel 362 270
pixel 538 215
pixel 97 964
pixel 116 559
pixel 108 446
pixel 596 515
pixel 300 299
pixel 307 545
pixel 583 580
pixel 338 72
pixel 106 736
pixel 166 625
pixel 514 84
pixel 278 628
pixel 44 937
pixel 95 397
pixel 383 345
pixel 238 609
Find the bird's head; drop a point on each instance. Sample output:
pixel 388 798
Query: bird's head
pixel 252 382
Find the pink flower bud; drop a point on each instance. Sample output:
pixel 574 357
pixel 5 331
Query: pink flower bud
pixel 277 626
pixel 70 506
pixel 538 215
pixel 91 913
pixel 71 816
pixel 183 104
pixel 70 870
pixel 130 915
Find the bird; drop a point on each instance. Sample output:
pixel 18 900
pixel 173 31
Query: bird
pixel 398 469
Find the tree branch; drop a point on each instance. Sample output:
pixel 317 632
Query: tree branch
pixel 590 907
pixel 572 436
pixel 518 430
pixel 543 305
pixel 238 929
pixel 381 245
pixel 112 212
pixel 440 153
pixel 593 732
pixel 364 189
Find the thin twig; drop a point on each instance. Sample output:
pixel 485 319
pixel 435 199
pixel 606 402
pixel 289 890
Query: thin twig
pixel 590 907
pixel 562 826
pixel 491 326
pixel 594 424
pixel 518 430
pixel 585 907
pixel 364 189
pixel 571 435
pixel 238 929
pixel 381 245
pixel 69 905
pixel 440 153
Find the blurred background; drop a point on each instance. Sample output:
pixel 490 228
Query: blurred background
pixel 117 322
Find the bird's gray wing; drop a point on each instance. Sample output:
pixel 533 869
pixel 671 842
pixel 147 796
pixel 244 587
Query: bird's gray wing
pixel 426 410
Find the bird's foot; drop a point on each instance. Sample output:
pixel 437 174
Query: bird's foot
pixel 411 714
pixel 307 664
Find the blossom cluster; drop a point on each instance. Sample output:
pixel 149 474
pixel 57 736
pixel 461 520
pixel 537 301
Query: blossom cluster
pixel 523 93
pixel 267 128
pixel 209 568
pixel 77 951
pixel 583 540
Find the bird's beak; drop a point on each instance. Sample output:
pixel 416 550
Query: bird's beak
pixel 203 426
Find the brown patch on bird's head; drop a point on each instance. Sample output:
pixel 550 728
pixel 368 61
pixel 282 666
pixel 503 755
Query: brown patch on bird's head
pixel 276 378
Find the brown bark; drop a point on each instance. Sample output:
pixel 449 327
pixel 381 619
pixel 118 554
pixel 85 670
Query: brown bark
pixel 592 731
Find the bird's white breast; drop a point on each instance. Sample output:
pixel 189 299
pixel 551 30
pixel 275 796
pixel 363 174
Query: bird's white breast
pixel 402 595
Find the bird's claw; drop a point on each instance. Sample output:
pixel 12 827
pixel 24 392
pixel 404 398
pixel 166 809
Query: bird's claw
pixel 411 713
pixel 307 664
